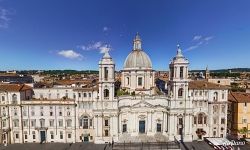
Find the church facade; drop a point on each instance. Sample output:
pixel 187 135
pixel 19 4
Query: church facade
pixel 191 110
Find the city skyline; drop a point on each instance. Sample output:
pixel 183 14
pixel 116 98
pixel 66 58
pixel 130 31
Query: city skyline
pixel 49 35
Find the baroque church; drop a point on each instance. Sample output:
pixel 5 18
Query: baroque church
pixel 190 110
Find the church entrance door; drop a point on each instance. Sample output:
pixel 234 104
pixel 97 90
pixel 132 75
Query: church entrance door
pixel 42 136
pixel 142 126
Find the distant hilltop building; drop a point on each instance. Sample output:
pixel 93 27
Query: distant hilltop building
pixel 103 112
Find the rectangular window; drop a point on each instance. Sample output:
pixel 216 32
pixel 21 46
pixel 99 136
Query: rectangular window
pixel 25 123
pixel 222 121
pixel 89 94
pixel 180 121
pixel 52 135
pixel 25 136
pixel 17 136
pixel 245 104
pixel 51 123
pixel 124 128
pixel 139 81
pixel 33 123
pixel 158 127
pixel 85 123
pixel 79 94
pixel 60 123
pixel 84 95
pixel 61 135
pixel 69 122
pixel 195 120
pixel 51 113
pixel 4 123
pixel 106 132
pixel 69 136
pixel 16 123
pixel 90 122
pixel 34 134
pixel 106 122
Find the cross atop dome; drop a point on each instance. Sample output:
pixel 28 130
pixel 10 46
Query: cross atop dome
pixel 137 42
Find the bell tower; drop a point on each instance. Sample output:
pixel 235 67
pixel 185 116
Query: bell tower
pixel 180 103
pixel 106 77
pixel 178 74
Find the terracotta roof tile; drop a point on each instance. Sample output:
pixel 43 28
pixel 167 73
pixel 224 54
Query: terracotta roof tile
pixel 205 85
pixel 14 87
pixel 240 97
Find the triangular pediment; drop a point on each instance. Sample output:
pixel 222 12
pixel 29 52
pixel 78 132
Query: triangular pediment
pixel 142 104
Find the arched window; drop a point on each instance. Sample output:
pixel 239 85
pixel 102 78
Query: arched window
pixel 106 73
pixel 85 122
pixel 181 72
pixel 215 96
pixel 106 93
pixel 200 118
pixel 127 80
pixel 180 92
pixel 215 109
pixel 14 98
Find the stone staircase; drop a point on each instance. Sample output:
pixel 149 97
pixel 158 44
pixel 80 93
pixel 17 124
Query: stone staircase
pixel 127 138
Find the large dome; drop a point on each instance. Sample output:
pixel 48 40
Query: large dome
pixel 137 59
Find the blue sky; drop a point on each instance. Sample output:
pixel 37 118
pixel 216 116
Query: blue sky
pixel 63 34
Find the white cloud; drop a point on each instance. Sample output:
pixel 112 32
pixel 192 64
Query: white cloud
pixel 101 46
pixel 197 37
pixel 71 54
pixel 200 40
pixel 4 18
pixel 91 46
pixel 208 38
pixel 192 47
pixel 105 29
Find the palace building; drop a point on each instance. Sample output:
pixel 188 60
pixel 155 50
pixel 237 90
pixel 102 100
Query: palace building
pixel 190 110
